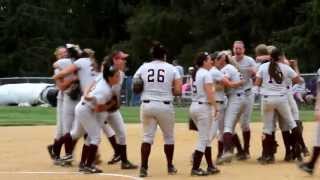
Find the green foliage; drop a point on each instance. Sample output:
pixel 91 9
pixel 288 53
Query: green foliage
pixel 31 29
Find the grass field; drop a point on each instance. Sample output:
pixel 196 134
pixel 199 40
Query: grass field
pixel 20 116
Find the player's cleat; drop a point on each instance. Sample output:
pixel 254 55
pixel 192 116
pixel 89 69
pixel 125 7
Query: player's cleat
pixel 198 172
pixel 213 170
pixel 128 165
pixel 115 158
pixel 172 170
pixel 81 167
pixel 305 152
pixel 143 172
pixel 288 157
pixel 67 158
pixel 91 170
pixel 306 168
pixel 57 161
pixel 267 160
pixel 242 156
pixel 226 157
pixel 50 151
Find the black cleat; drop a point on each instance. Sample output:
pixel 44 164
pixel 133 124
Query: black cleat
pixel 115 158
pixel 128 165
pixel 91 170
pixel 267 160
pixel 213 170
pixel 172 170
pixel 81 167
pixel 306 168
pixel 198 172
pixel 143 172
pixel 242 156
pixel 50 151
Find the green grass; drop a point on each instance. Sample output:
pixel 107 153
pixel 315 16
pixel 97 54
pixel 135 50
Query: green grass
pixel 21 116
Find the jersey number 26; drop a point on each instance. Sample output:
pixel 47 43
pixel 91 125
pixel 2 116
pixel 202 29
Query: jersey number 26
pixel 159 76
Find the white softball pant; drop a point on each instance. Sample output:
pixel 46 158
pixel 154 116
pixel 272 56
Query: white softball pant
pixel 115 125
pixel 220 119
pixel 247 112
pixel 154 113
pixel 201 114
pixel 271 104
pixel 59 128
pixel 235 108
pixel 68 113
pixel 86 122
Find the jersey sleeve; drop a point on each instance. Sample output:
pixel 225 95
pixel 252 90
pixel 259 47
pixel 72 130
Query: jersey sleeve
pixel 208 78
pixel 176 74
pixel 291 72
pixel 78 63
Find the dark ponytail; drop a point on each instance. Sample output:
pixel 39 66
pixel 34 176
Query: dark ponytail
pixel 198 62
pixel 108 71
pixel 274 69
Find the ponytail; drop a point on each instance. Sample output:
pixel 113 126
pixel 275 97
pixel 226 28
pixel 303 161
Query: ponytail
pixel 198 62
pixel 274 69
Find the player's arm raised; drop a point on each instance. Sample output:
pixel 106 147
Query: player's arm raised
pixel 65 72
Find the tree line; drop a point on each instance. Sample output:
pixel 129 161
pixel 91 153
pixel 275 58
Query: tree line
pixel 30 30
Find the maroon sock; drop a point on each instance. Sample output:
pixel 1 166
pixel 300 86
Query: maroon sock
pixel 227 142
pixel 145 152
pixel 123 152
pixel 220 149
pixel 67 140
pixel 286 141
pixel 314 157
pixel 197 157
pixel 208 156
pixel 168 150
pixel 57 145
pixel 92 151
pixel 114 144
pixel 246 141
pixel 236 143
pixel 84 154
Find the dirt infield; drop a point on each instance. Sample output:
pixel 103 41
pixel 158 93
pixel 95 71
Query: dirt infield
pixel 23 155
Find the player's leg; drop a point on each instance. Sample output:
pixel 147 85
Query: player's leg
pixel 117 123
pixel 245 123
pixel 92 127
pixel 295 113
pixel 149 126
pixel 309 166
pixel 201 117
pixel 220 120
pixel 165 118
pixel 232 114
pixel 267 112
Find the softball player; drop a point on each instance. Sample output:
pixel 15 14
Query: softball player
pixel 271 78
pixel 86 75
pixel 86 114
pixel 247 67
pixel 55 149
pixel 221 82
pixel 115 119
pixel 202 111
pixel 309 166
pixel 161 81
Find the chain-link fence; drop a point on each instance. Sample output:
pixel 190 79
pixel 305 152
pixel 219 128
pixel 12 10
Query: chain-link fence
pixel 307 92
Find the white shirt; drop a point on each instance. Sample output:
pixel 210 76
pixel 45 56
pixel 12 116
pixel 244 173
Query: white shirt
pixel 217 77
pixel 158 77
pixel 202 77
pixel 86 72
pixel 102 92
pixel 269 86
pixel 233 75
pixel 62 64
pixel 245 64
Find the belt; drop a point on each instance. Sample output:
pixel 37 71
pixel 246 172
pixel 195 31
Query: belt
pixel 220 102
pixel 200 102
pixel 266 96
pixel 247 90
pixel 148 101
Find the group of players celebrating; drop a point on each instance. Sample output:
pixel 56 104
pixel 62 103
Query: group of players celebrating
pixel 224 86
